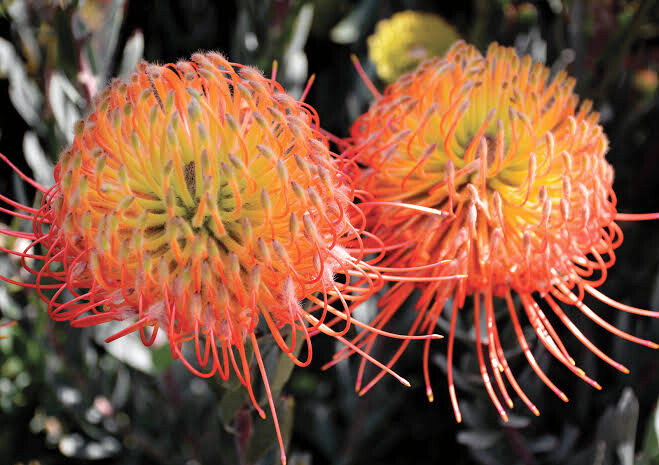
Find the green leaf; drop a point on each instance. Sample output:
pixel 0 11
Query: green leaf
pixel 295 65
pixel 360 19
pixel 285 365
pixel 161 357
pixel 23 92
pixel 264 435
pixel 66 102
pixel 231 402
pixel 616 428
pixel 627 412
pixel 300 459
pixel 11 367
pixel 133 52
pixel 650 451
pixel 67 60
pixel 36 158
pixel 478 439
pixel 104 35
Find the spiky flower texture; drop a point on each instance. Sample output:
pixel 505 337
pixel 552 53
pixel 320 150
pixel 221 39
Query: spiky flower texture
pixel 198 199
pixel 488 162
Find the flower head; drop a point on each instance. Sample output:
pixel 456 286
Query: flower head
pixel 201 200
pixel 490 164
pixel 403 41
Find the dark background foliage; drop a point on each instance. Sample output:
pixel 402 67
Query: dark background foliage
pixel 67 397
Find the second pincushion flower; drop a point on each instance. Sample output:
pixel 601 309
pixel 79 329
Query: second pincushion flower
pixel 490 163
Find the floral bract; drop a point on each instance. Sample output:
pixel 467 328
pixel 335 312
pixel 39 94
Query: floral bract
pixel 488 163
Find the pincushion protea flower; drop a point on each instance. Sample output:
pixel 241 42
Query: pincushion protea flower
pixel 403 41
pixel 200 199
pixel 488 162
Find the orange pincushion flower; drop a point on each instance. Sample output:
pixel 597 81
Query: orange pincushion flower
pixel 198 198
pixel 489 163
